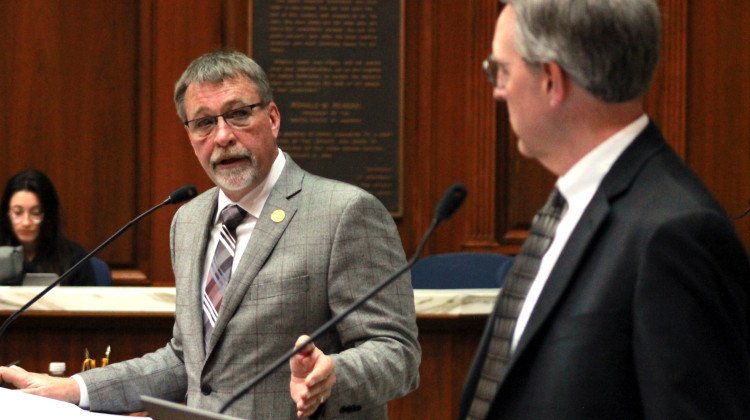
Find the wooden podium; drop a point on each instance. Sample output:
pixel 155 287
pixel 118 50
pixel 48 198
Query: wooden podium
pixel 138 320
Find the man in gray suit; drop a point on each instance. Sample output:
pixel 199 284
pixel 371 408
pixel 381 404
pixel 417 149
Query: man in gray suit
pixel 309 247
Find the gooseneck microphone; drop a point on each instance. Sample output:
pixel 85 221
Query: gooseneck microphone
pixel 744 213
pixel 178 196
pixel 451 201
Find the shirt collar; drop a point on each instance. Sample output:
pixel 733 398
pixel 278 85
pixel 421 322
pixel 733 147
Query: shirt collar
pixel 254 201
pixel 586 175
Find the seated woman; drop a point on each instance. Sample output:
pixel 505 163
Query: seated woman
pixel 32 220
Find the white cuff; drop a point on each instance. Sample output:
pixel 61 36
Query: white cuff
pixel 84 401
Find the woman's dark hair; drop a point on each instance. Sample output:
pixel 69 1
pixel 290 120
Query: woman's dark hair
pixel 54 252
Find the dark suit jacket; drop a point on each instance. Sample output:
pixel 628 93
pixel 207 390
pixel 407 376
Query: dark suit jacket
pixel 645 314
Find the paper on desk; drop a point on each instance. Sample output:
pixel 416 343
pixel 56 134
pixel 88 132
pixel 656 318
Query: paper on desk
pixel 20 405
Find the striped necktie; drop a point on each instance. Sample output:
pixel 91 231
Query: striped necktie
pixel 221 268
pixel 512 297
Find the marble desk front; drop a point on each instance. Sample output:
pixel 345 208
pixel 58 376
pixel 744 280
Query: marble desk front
pixel 161 300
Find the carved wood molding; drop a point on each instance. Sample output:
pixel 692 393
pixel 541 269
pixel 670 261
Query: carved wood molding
pixel 666 102
pixel 481 133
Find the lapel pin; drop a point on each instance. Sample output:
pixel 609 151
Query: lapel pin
pixel 278 216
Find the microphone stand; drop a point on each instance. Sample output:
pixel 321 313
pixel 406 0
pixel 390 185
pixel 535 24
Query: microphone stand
pixel 451 201
pixel 178 196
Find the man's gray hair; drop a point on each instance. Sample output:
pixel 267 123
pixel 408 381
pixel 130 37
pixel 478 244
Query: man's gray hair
pixel 608 47
pixel 217 66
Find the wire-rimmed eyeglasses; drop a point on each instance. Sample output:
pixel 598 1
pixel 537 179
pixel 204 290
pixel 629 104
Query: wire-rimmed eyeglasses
pixel 17 215
pixel 491 67
pixel 237 118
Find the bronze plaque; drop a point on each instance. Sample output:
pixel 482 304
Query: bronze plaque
pixel 335 66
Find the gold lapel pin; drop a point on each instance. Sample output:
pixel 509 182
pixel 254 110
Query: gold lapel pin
pixel 278 216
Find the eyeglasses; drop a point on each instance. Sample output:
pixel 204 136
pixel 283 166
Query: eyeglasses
pixel 237 118
pixel 17 215
pixel 491 67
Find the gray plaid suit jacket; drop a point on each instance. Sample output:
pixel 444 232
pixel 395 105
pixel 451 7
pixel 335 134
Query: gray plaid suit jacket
pixel 335 243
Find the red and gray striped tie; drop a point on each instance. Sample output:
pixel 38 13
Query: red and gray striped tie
pixel 221 268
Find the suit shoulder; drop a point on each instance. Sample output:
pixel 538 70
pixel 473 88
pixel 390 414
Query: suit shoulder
pixel 318 187
pixel 668 185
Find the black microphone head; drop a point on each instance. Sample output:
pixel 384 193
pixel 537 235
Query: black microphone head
pixel 184 193
pixel 451 201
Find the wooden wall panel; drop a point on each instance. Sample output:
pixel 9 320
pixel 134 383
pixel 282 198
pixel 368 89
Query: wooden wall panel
pixel 179 34
pixel 69 107
pixel 419 68
pixel 86 95
pixel 718 111
pixel 480 128
pixel 450 123
pixel 666 102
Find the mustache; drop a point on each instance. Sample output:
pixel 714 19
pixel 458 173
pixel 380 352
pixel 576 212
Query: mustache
pixel 222 155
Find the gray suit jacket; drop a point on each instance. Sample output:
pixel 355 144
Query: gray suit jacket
pixel 333 245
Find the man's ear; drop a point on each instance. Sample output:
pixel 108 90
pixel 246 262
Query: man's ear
pixel 275 116
pixel 556 83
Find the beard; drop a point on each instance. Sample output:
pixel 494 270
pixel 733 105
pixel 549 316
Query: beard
pixel 240 176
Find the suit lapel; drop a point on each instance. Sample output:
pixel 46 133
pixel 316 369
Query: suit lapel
pixel 616 182
pixel 562 273
pixel 204 212
pixel 265 236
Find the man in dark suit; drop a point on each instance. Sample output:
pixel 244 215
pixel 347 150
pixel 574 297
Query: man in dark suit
pixel 638 307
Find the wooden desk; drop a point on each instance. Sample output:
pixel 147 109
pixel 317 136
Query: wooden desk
pixel 135 321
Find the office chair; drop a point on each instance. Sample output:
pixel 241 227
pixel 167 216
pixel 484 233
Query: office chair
pixel 462 270
pixel 102 272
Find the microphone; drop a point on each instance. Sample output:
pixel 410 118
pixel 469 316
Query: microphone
pixel 452 200
pixel 744 213
pixel 182 194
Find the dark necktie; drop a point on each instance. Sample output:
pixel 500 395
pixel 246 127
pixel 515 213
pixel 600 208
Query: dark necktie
pixel 221 268
pixel 512 296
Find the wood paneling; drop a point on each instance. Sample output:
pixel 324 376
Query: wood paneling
pixel 86 96
pixel 448 347
pixel 88 99
pixel 666 103
pixel 450 123
pixel 36 339
pixel 718 106
pixel 68 102
pixel 178 34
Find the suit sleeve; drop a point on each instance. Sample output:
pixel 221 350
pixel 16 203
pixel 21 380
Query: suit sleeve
pixel 691 322
pixel 117 388
pixel 382 355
